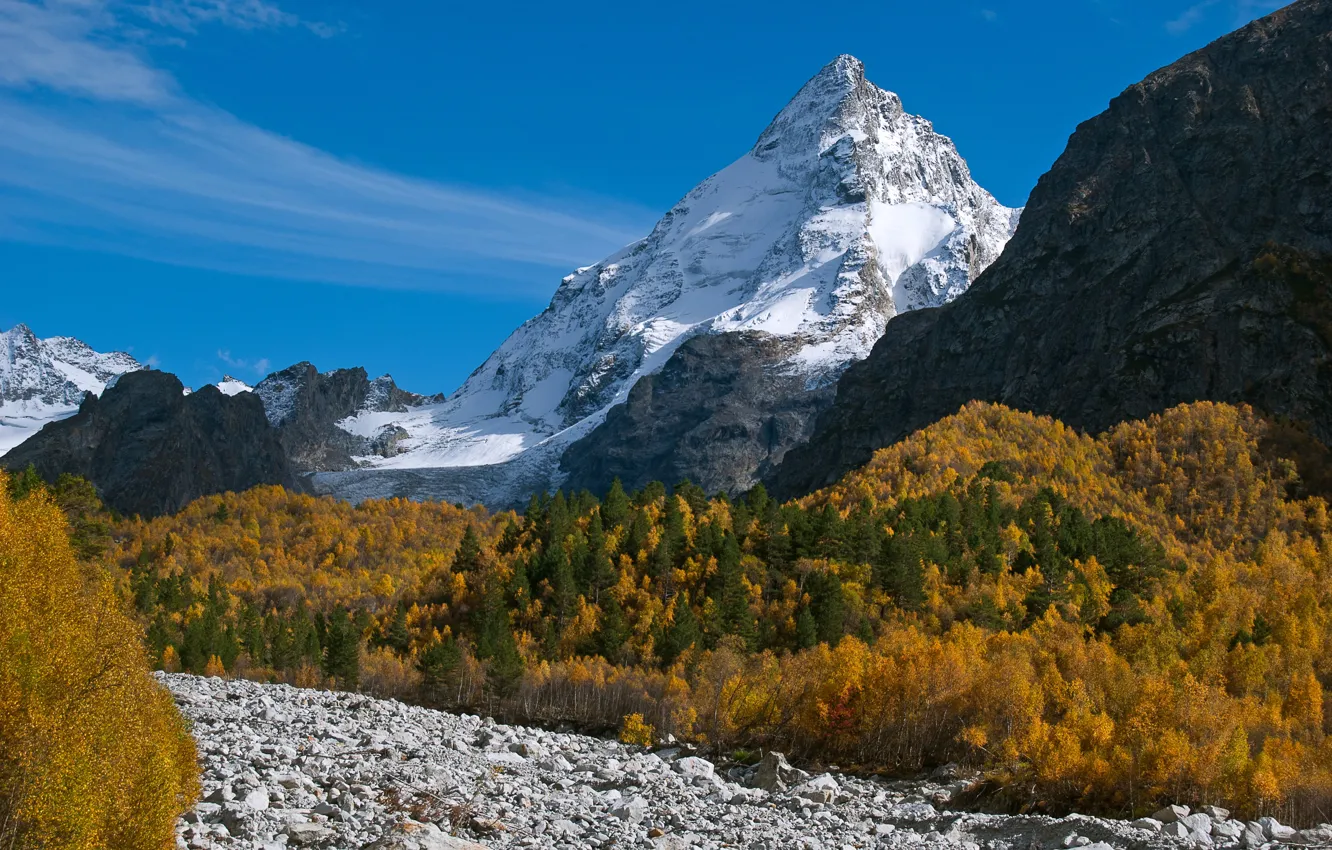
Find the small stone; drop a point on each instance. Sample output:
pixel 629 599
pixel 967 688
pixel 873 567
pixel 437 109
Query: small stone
pixel 1198 822
pixel 306 834
pixel 694 767
pixel 820 789
pixel 1254 835
pixel 1149 824
pixel 633 810
pixel 1228 831
pixel 1170 814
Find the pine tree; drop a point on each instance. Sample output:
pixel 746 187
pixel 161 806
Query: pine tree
pixel 342 649
pixel 468 557
pixel 25 482
pixel 397 636
pixel 495 642
pixel 438 663
pixel 615 507
pixel 612 629
pixel 828 606
pixel 684 631
pixel 807 630
pixel 730 594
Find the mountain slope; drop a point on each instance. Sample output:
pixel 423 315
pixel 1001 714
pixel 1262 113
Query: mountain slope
pixel 327 420
pixel 846 212
pixel 1179 249
pixel 150 448
pixel 45 380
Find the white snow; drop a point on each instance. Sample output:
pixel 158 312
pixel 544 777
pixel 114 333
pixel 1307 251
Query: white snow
pixel 19 420
pixel 904 234
pixel 233 386
pixel 45 380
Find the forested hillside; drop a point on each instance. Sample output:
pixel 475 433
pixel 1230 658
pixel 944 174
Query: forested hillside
pixel 1104 623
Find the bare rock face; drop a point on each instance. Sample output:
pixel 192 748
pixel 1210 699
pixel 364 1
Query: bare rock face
pixel 1178 250
pixel 306 406
pixel 722 412
pixel 151 449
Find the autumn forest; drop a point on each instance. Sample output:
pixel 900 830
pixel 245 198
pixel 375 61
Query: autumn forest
pixel 1101 623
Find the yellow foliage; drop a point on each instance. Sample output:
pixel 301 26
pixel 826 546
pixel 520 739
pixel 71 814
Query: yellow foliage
pixel 1091 682
pixel 635 730
pixel 93 753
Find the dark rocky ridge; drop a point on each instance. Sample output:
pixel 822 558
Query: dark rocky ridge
pixel 150 449
pixel 1177 250
pixel 722 412
pixel 305 405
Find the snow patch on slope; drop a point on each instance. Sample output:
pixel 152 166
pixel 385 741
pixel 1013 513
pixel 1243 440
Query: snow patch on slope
pixel 45 380
pixel 230 386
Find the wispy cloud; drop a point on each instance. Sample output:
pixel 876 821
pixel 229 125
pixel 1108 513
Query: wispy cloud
pixel 103 150
pixel 259 367
pixel 989 15
pixel 1239 12
pixel 189 15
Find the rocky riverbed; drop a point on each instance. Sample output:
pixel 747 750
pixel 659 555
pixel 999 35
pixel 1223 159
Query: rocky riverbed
pixel 286 767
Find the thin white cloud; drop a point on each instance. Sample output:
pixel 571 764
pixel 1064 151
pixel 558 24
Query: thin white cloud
pixel 123 161
pixel 239 364
pixel 1241 12
pixel 989 15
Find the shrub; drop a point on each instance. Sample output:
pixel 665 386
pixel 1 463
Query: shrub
pixel 92 751
pixel 635 730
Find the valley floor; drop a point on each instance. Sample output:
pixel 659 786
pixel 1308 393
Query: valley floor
pixel 285 767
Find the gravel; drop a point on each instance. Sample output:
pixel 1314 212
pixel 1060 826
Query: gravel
pixel 287 767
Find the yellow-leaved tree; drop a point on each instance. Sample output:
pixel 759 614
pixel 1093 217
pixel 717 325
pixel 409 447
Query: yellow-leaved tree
pixel 93 753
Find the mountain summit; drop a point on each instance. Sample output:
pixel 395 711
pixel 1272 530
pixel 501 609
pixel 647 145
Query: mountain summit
pixel 1179 249
pixel 45 380
pixel 846 212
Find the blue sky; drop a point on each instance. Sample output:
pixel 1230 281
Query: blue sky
pixel 236 185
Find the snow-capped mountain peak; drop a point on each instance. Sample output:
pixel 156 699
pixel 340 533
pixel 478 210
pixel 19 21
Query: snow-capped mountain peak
pixel 42 380
pixel 846 211
pixel 233 386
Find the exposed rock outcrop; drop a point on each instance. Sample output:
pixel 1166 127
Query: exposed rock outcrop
pixel 1178 250
pixel 151 449
pixel 306 406
pixel 722 412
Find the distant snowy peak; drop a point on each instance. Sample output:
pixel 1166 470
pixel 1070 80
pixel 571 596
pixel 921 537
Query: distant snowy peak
pixel 233 386
pixel 43 380
pixel 846 212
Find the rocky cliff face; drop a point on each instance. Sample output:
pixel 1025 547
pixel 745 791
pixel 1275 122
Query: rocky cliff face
pixel 722 412
pixel 313 411
pixel 45 380
pixel 151 449
pixel 1177 250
